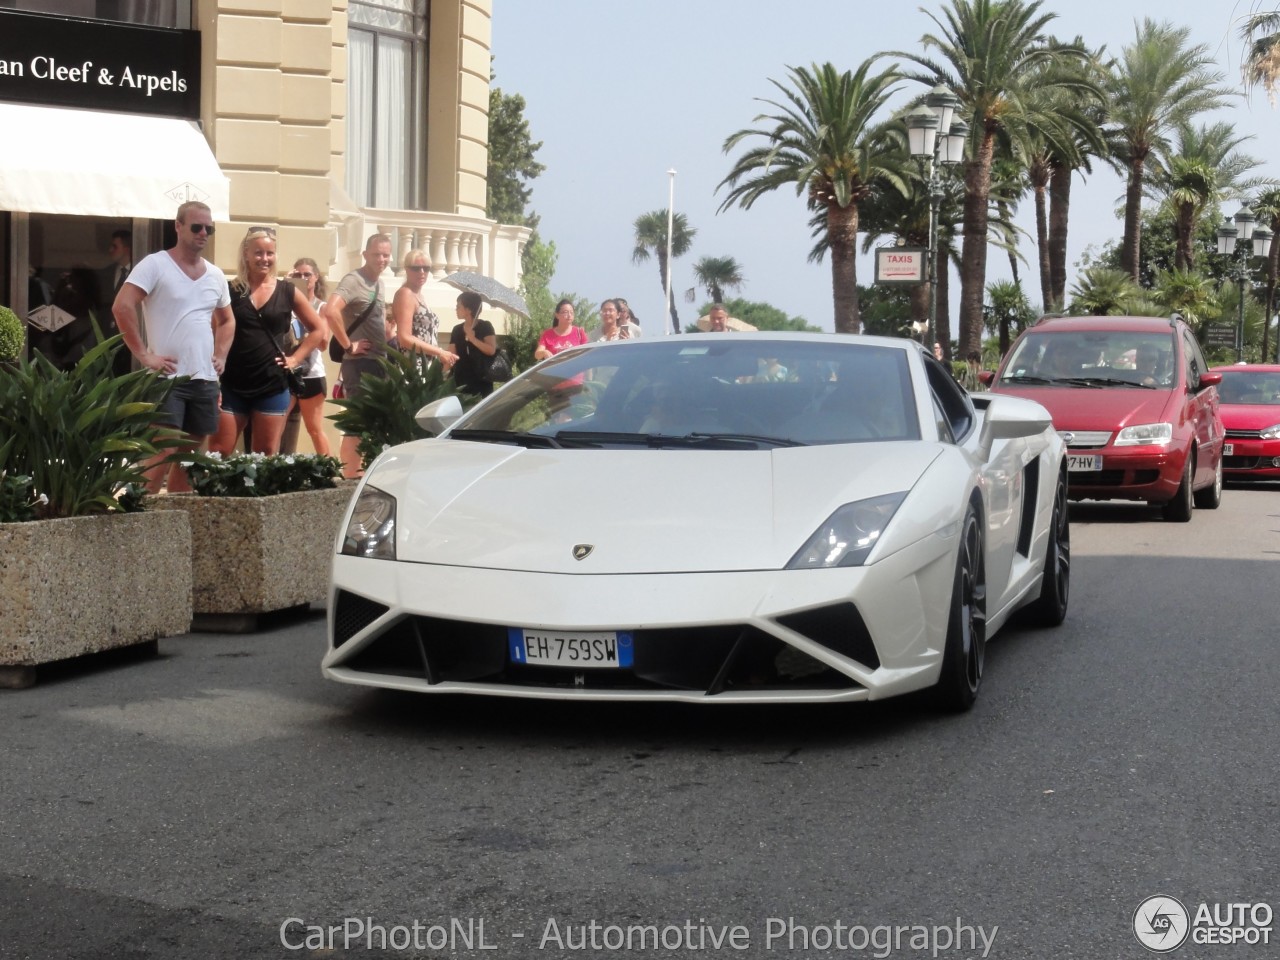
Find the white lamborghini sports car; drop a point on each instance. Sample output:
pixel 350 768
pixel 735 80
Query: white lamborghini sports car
pixel 716 518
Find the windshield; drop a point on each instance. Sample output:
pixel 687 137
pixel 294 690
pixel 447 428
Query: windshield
pixel 711 393
pixel 1115 358
pixel 1260 387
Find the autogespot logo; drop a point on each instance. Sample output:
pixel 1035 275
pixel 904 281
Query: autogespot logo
pixel 1161 923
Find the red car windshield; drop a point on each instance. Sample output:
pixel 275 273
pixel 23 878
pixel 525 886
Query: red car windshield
pixel 1260 387
pixel 1095 356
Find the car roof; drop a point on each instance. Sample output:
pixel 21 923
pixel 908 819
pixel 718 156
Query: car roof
pixel 1246 368
pixel 1124 324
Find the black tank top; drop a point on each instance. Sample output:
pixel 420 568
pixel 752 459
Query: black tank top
pixel 251 368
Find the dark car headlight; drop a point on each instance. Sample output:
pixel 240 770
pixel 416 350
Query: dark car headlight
pixel 847 537
pixel 371 531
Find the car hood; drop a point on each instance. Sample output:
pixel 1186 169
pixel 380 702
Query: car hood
pixel 1097 408
pixel 641 511
pixel 1249 416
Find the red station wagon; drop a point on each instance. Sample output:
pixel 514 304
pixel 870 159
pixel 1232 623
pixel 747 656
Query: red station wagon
pixel 1135 402
pixel 1250 395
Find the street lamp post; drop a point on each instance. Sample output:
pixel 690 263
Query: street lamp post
pixel 936 136
pixel 1253 240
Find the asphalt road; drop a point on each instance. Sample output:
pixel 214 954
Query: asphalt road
pixel 190 804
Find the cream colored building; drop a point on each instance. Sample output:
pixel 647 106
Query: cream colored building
pixel 329 120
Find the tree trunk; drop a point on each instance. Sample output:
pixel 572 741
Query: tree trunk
pixel 1042 255
pixel 943 335
pixel 1059 208
pixel 1130 253
pixel 973 258
pixel 1273 264
pixel 1184 225
pixel 842 236
pixel 1006 216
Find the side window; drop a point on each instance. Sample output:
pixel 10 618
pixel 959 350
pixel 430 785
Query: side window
pixel 1195 360
pixel 949 399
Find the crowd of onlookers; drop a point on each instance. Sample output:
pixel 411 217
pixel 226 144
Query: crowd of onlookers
pixel 250 349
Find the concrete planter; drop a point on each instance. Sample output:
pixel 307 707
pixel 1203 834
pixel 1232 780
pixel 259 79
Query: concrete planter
pixel 86 584
pixel 255 555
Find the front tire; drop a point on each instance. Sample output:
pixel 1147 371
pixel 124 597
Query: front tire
pixel 1179 508
pixel 1210 498
pixel 1050 608
pixel 964 656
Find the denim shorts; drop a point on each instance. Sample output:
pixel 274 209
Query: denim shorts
pixel 276 404
pixel 192 407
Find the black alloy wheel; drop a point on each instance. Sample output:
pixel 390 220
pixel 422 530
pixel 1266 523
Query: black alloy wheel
pixel 1050 608
pixel 964 656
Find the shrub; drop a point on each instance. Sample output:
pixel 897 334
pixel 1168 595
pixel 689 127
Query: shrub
pixel 383 415
pixel 260 475
pixel 10 336
pixel 82 435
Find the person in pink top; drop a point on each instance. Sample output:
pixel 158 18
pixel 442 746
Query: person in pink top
pixel 562 336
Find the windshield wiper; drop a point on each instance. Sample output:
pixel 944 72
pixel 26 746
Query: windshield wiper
pixel 718 441
pixel 1025 378
pixel 505 436
pixel 1109 382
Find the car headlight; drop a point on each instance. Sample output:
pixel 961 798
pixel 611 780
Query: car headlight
pixel 1271 433
pixel 1156 434
pixel 847 536
pixel 371 531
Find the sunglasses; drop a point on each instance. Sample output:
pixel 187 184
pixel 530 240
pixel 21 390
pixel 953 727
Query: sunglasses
pixel 417 266
pixel 202 228
pixel 269 231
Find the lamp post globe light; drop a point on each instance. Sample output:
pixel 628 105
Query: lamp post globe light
pixel 936 136
pixel 1239 242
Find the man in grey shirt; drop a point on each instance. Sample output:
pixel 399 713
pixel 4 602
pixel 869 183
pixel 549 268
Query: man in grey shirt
pixel 365 344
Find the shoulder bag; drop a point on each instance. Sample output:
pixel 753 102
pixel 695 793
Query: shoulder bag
pixel 336 351
pixel 495 369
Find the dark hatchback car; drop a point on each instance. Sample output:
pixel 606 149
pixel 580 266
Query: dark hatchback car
pixel 1135 402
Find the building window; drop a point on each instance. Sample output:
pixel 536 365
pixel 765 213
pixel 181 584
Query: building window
pixel 152 13
pixel 386 94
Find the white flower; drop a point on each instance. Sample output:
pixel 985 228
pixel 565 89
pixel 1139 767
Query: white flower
pixel 42 499
pixel 289 461
pixel 248 481
pixel 186 464
pixel 213 454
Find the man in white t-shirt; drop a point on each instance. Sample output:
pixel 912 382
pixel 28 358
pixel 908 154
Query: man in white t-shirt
pixel 189 331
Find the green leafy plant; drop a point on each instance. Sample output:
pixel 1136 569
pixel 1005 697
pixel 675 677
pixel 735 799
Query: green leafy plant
pixel 383 414
pixel 82 435
pixel 10 336
pixel 260 475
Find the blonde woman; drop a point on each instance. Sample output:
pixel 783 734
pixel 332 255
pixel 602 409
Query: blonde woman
pixel 416 327
pixel 310 403
pixel 254 388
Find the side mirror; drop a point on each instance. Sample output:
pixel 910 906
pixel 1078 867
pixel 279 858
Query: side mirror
pixel 439 415
pixel 986 377
pixel 1209 380
pixel 1008 418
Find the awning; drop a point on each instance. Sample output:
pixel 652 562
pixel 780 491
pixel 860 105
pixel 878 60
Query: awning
pixel 94 164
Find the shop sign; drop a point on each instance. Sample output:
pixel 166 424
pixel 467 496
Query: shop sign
pixel 65 62
pixel 1220 335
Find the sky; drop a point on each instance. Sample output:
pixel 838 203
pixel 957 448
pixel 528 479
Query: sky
pixel 621 92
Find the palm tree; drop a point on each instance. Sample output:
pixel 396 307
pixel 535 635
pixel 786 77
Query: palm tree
pixel 651 237
pixel 1202 170
pixel 1158 83
pixel 993 52
pixel 1261 33
pixel 715 275
pixel 1103 292
pixel 1188 293
pixel 1267 209
pixel 1010 310
pixel 822 141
